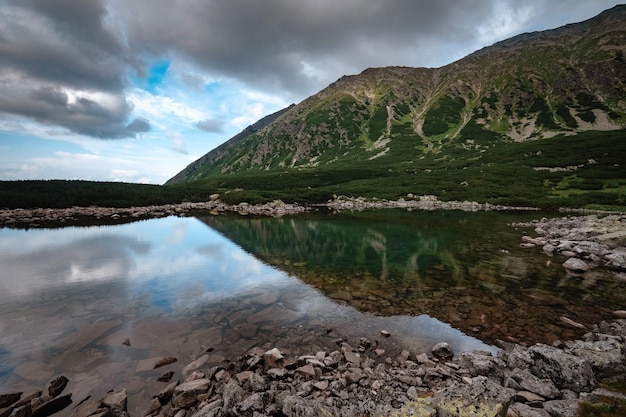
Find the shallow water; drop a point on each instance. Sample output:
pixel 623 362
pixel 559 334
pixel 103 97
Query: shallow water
pixel 70 298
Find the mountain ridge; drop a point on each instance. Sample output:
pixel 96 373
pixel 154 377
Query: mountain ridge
pixel 556 83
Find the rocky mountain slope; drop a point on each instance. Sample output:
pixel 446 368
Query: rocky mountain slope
pixel 535 85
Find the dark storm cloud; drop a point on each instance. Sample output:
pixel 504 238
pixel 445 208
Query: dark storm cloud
pixel 211 125
pixel 52 49
pixel 291 45
pixel 67 62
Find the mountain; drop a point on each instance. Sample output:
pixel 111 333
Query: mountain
pixel 553 84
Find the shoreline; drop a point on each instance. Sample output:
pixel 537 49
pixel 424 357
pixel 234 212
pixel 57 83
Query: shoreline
pixel 38 217
pixel 406 384
pixel 360 378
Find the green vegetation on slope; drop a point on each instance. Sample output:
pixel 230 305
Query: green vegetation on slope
pixel 562 171
pixel 559 172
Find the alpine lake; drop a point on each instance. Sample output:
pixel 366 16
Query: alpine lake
pixel 100 304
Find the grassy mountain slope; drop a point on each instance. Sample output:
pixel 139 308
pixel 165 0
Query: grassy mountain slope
pixel 479 128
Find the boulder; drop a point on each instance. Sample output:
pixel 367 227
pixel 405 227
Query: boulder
pixel 576 265
pixel 481 397
pixel 273 358
pixel 562 408
pixel 607 357
pixel 115 399
pixel 442 351
pixel 186 394
pixel 57 386
pixel 566 371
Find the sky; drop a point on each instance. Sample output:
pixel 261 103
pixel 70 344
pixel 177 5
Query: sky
pixel 135 90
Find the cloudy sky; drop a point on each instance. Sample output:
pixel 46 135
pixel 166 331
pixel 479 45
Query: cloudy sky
pixel 134 90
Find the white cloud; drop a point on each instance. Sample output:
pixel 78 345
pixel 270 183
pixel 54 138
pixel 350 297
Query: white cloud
pixel 178 140
pixel 506 21
pixel 163 110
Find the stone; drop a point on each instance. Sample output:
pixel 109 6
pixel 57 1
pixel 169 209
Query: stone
pixel 523 410
pixel 273 358
pixel 620 314
pixel 564 370
pixel 212 409
pixel 607 358
pixel 321 385
pixel 165 395
pixel 478 363
pixel 442 351
pixel 576 265
pixel 9 399
pixel 87 407
pixel 306 370
pixel 186 394
pixel 164 361
pixel 254 402
pixel 480 398
pixel 561 408
pixel 52 406
pixel 385 333
pixel 232 393
pixel 195 365
pixel 115 399
pixel 616 260
pixel 527 397
pixel 166 377
pixel 352 357
pixel 529 382
pixel 57 386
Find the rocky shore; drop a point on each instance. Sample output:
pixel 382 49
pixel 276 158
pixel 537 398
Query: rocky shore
pixel 40 217
pixel 45 216
pixel 424 202
pixel 585 242
pixel 360 379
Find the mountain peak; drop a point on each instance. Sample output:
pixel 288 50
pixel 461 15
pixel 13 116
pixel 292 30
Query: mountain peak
pixel 535 85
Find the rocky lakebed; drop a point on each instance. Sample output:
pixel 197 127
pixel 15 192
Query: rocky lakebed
pixel 369 376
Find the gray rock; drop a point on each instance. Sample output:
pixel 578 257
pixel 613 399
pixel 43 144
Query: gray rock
pixel 562 408
pixel 442 351
pixel 116 399
pixel 232 393
pixel 481 397
pixel 576 265
pixel 273 358
pixel 294 406
pixel 478 363
pixel 564 370
pixel 523 410
pixel 9 399
pixel 47 408
pixel 186 394
pixel 165 395
pixel 606 357
pixel 213 409
pixel 529 382
pixel 249 405
pixel 57 386
pixel 616 260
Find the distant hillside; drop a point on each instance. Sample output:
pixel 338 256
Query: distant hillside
pixel 553 85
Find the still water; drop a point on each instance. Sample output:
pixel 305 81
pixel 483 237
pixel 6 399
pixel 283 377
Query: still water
pixel 99 304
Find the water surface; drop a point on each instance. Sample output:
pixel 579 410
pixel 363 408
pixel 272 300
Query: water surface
pixel 100 304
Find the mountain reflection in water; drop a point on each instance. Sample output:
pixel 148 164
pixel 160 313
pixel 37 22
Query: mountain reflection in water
pixel 466 269
pixel 70 299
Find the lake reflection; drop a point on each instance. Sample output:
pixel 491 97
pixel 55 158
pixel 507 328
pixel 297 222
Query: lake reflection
pixel 72 299
pixel 466 269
